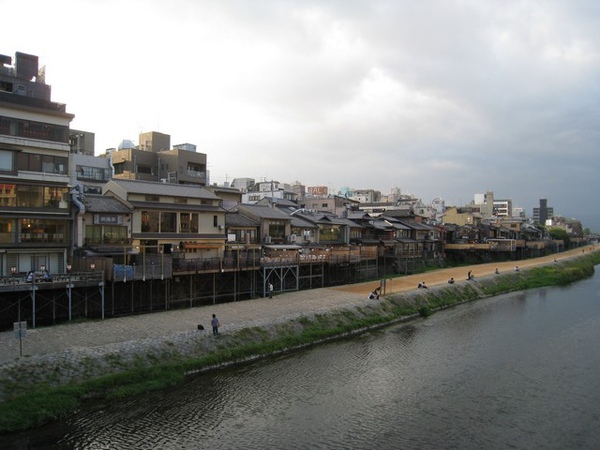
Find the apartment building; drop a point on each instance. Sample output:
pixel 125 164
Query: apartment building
pixel 35 214
pixel 154 160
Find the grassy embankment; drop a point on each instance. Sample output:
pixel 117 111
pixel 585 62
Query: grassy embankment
pixel 30 406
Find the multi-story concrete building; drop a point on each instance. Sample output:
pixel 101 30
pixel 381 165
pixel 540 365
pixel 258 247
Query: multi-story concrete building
pixel 153 160
pixel 35 214
pixel 543 213
pixel 503 208
pixel 82 142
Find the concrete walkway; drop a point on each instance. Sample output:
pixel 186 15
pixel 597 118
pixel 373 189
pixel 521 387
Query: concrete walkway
pixel 119 331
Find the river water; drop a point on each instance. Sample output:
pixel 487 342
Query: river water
pixel 515 371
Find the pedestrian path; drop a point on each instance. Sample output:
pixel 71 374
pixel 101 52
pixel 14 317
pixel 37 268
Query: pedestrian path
pixel 234 315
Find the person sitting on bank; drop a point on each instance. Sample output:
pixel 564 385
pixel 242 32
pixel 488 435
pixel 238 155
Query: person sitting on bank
pixel 375 294
pixel 517 268
pixel 422 285
pixel 497 272
pixel 451 280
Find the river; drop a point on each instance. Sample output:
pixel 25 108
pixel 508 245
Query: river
pixel 515 371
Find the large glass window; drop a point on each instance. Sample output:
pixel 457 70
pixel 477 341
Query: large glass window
pixel 276 229
pixel 56 197
pixel 7 227
pixel 8 195
pixel 7 161
pixel 33 130
pixel 30 196
pixel 92 173
pixel 105 234
pixel 39 230
pixel 150 221
pixel 43 131
pixel 42 163
pixel 188 222
pixel 330 233
pixel 168 222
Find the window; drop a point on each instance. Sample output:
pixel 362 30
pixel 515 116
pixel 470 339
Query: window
pixel 8 194
pixel 30 196
pixel 119 168
pixel 168 222
pixel 92 173
pixel 6 231
pixel 105 234
pixel 276 229
pixel 40 230
pixel 42 163
pixel 148 170
pixel 55 197
pixel 152 198
pixel 188 223
pixel 34 130
pixel 150 221
pixel 330 233
pixel 215 221
pixel 7 161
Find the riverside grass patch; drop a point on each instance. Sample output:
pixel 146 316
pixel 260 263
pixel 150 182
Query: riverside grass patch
pixel 39 403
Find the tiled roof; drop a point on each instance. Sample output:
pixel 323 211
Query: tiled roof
pixel 156 188
pixel 235 219
pixel 105 204
pixel 262 211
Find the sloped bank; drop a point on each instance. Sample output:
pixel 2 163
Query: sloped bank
pixel 42 389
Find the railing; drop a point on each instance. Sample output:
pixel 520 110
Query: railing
pixel 143 272
pixel 22 282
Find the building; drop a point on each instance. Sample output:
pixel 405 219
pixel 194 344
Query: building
pixel 333 204
pixel 268 189
pixel 502 208
pixel 153 160
pixel 35 213
pixel 82 142
pixel 171 218
pixel 543 213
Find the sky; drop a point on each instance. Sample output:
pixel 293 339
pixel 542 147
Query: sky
pixel 442 99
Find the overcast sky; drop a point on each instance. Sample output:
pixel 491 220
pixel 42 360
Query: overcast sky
pixel 439 98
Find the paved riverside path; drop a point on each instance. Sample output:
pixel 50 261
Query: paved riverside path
pixel 234 315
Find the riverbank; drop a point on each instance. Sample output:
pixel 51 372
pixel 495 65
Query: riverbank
pixel 48 385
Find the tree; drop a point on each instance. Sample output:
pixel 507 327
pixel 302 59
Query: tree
pixel 560 234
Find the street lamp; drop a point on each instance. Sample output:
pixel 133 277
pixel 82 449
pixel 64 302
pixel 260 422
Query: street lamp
pixel 13 270
pixel 69 287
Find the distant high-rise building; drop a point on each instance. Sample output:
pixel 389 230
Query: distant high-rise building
pixel 543 213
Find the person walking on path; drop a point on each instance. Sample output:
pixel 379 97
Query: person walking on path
pixel 270 290
pixel 215 325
